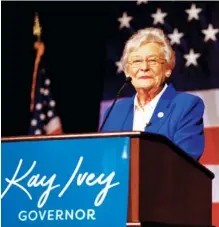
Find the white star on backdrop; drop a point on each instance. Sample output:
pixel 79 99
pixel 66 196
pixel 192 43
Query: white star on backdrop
pixel 175 36
pixel 210 33
pixel 193 12
pixel 191 58
pixel 141 1
pixel 119 66
pixel 158 16
pixel 124 20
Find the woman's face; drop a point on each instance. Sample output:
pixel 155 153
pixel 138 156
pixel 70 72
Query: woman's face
pixel 147 67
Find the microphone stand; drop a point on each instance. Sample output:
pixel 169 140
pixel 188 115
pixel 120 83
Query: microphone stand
pixel 127 81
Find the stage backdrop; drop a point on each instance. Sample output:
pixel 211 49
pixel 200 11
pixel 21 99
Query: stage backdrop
pixel 193 29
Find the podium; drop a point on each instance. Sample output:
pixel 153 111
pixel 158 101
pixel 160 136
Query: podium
pixel 167 187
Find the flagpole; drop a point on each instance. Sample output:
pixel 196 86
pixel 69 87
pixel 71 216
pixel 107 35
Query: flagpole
pixel 40 48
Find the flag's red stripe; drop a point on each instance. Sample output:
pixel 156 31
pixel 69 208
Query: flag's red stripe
pixel 211 152
pixel 57 131
pixel 211 157
pixel 215 214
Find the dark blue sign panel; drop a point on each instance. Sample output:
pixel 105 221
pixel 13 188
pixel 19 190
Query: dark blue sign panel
pixel 69 182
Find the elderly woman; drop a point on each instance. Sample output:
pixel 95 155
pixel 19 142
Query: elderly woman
pixel 157 107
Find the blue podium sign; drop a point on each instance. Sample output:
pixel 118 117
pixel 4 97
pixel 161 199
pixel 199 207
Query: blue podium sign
pixel 65 182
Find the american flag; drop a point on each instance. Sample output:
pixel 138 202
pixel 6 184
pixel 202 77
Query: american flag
pixel 44 118
pixel 193 30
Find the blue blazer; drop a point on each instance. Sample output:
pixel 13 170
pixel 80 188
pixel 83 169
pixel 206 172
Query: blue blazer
pixel 178 116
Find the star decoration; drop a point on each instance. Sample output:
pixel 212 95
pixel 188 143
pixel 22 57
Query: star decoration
pixel 119 66
pixel 141 1
pixel 175 36
pixel 124 20
pixel 158 17
pixel 210 33
pixel 191 58
pixel 193 12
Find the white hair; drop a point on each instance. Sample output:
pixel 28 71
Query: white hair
pixel 149 35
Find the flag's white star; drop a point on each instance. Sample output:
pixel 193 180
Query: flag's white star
pixel 175 36
pixel 42 116
pixel 119 66
pixel 47 82
pixel 193 12
pixel 33 122
pixel 39 106
pixel 52 103
pixel 158 16
pixel 46 92
pixel 38 132
pixel 42 90
pixel 49 113
pixel 141 1
pixel 191 58
pixel 210 33
pixel 124 20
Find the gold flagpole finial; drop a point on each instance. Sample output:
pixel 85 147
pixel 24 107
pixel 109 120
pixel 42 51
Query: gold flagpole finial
pixel 39 46
pixel 36 28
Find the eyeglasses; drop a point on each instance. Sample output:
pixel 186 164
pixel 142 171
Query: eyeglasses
pixel 151 61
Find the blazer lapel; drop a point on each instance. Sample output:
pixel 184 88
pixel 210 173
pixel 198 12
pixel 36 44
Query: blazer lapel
pixel 162 110
pixel 128 118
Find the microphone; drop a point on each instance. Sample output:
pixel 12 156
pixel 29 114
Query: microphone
pixel 127 81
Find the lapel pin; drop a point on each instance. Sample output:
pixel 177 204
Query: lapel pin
pixel 160 114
